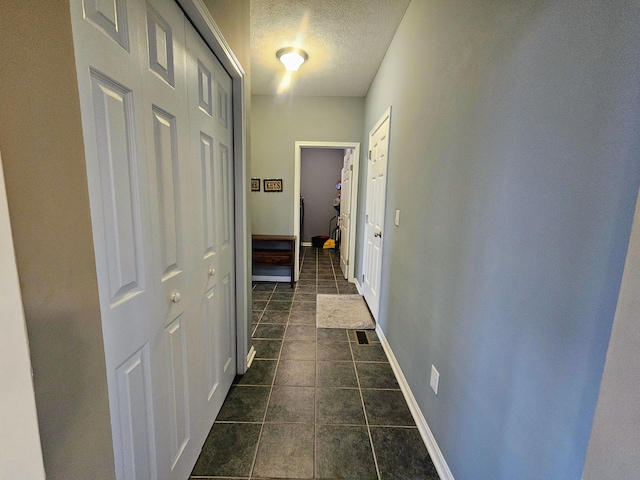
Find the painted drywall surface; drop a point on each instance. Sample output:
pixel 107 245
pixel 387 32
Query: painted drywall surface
pixel 21 452
pixel 513 160
pixel 320 170
pixel 44 167
pixel 232 18
pixel 615 438
pixel 276 124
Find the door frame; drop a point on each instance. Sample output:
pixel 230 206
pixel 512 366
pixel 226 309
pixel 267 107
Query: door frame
pixel 354 198
pixel 202 20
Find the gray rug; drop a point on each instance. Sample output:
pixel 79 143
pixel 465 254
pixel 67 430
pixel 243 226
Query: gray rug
pixel 343 311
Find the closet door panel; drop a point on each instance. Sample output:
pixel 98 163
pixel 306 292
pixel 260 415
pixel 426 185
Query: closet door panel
pixel 110 17
pixel 179 421
pixel 212 163
pixel 207 196
pixel 168 193
pixel 225 214
pixel 163 61
pixel 118 166
pixel 107 49
pixel 156 113
pixel 136 425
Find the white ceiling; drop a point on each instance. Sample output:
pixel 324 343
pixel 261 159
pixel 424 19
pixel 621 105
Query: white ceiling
pixel 346 41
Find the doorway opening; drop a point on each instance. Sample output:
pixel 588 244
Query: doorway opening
pixel 320 189
pixel 349 246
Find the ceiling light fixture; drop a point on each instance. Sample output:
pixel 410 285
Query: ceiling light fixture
pixel 292 58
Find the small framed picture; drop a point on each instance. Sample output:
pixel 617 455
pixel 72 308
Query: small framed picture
pixel 255 184
pixel 273 185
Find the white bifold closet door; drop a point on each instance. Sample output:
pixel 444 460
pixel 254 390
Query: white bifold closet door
pixel 157 119
pixel 345 211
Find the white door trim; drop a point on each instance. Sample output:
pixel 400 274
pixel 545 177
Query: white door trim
pixel 199 15
pixel 354 198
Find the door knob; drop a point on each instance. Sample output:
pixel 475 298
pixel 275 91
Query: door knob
pixel 176 297
pixel 378 234
pixel 212 272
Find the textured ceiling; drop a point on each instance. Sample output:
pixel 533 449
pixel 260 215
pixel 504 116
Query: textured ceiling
pixel 346 40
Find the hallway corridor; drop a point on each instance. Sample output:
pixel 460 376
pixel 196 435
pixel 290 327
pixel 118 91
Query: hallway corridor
pixel 315 403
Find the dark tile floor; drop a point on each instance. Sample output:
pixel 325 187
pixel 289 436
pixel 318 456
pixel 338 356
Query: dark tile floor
pixel 315 403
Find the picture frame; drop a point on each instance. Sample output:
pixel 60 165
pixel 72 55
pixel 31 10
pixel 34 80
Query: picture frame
pixel 272 184
pixel 255 184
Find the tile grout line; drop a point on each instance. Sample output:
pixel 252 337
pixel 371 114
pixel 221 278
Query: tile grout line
pixel 335 280
pixel 264 417
pixel 315 385
pixel 306 260
pixel 263 310
pixel 366 417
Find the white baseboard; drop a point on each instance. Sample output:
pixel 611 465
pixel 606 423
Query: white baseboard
pixel 425 432
pixel 271 278
pixel 250 356
pixel 355 281
pixel 306 244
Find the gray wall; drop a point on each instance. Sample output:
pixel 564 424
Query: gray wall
pixel 44 167
pixel 320 169
pixel 233 19
pixel 21 448
pixel 615 439
pixel 276 124
pixel 514 140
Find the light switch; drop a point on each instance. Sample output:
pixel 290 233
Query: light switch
pixel 435 379
pixel 397 218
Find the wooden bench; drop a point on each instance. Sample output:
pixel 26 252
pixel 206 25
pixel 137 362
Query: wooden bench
pixel 275 251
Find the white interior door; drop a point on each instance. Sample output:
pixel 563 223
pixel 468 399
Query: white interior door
pixel 374 212
pixel 158 263
pixel 212 153
pixel 345 211
pixel 111 86
pixel 168 158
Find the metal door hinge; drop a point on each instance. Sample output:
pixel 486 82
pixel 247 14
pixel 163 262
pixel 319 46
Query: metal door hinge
pixel 351 167
pixel 369 154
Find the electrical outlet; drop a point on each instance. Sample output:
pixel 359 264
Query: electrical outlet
pixel 435 378
pixel 397 222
